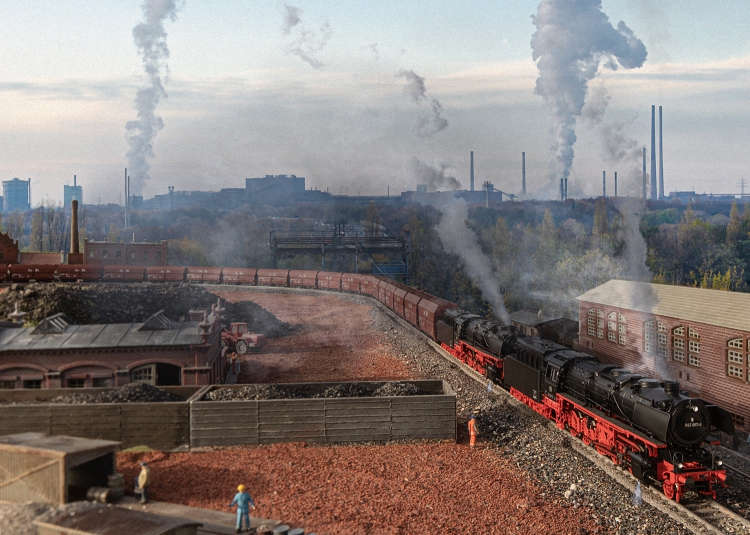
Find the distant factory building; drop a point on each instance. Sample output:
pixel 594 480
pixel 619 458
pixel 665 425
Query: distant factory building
pixel 107 253
pixel 17 195
pixel 698 337
pixel 72 192
pixel 275 189
pixel 59 354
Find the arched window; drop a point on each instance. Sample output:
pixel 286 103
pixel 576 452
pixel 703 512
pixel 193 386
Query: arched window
pixel 678 343
pixel 649 336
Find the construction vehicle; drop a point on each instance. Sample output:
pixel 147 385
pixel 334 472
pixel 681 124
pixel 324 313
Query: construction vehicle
pixel 238 338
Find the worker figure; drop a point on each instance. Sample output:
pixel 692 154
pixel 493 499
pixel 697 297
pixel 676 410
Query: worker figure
pixel 243 501
pixel 473 429
pixel 235 367
pixel 144 480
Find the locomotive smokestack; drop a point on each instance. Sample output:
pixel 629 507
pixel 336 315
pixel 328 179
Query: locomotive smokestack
pixel 472 172
pixel 523 173
pixel 645 195
pixel 74 248
pixel 661 160
pixel 653 153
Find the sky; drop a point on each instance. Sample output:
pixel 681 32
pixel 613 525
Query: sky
pixel 359 97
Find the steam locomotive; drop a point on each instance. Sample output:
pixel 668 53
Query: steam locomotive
pixel 649 427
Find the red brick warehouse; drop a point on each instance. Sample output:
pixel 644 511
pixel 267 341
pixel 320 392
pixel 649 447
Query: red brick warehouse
pixel 58 354
pixel 696 336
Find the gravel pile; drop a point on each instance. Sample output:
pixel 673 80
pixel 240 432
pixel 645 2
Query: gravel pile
pixel 396 388
pixel 125 303
pixel 346 390
pixel 255 392
pixel 130 393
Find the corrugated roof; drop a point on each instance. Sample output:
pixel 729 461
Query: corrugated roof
pixel 526 317
pixel 103 520
pixel 59 443
pixel 97 336
pixel 712 307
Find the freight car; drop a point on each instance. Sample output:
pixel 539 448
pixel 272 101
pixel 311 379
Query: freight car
pixel 646 426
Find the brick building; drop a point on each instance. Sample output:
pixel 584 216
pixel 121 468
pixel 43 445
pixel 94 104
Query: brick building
pixel 8 249
pixel 58 354
pixel 698 337
pixel 104 253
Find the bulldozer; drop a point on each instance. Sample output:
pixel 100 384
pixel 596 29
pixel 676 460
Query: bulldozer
pixel 238 338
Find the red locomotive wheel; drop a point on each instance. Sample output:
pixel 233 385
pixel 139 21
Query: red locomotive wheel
pixel 669 490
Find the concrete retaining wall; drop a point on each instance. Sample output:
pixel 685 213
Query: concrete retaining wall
pixel 429 416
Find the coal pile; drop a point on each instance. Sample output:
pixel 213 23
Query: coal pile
pixel 130 393
pixel 256 392
pixel 396 388
pixel 126 303
pixel 346 390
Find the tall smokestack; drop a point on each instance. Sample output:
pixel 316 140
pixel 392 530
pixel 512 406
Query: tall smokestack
pixel 645 194
pixel 74 181
pixel 615 183
pixel 661 160
pixel 604 183
pixel 565 189
pixel 653 153
pixel 523 173
pixel 472 171
pixel 562 190
pixel 74 227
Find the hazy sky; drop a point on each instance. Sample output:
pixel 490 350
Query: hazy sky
pixel 322 89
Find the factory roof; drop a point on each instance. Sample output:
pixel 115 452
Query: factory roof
pixel 103 520
pixel 58 332
pixel 712 307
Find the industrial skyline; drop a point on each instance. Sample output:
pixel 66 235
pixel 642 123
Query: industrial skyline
pixel 359 99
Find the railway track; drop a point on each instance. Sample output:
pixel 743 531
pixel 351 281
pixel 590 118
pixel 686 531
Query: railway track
pixel 699 515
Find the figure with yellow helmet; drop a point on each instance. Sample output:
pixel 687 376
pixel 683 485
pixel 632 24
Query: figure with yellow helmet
pixel 244 502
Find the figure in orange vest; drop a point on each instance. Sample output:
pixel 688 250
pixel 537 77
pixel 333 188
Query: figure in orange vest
pixel 473 430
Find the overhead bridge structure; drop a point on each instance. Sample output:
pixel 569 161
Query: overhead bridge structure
pixel 386 250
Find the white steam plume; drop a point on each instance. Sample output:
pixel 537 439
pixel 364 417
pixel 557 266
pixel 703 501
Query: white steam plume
pixel 307 45
pixel 151 40
pixel 573 37
pixel 457 237
pixel 431 123
pixel 434 177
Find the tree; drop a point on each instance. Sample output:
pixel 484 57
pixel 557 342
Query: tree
pixel 37 230
pixel 114 233
pixel 601 225
pixel 735 226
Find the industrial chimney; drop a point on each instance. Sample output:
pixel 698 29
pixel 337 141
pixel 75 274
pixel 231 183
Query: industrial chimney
pixel 604 183
pixel 661 160
pixel 645 194
pixel 75 256
pixel 523 173
pixel 653 153
pixel 472 171
pixel 615 183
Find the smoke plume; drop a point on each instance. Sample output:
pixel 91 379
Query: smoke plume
pixel 435 177
pixel 308 44
pixel 457 237
pixel 573 37
pixel 432 122
pixel 151 40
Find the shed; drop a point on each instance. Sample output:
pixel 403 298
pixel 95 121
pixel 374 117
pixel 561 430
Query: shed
pixel 103 520
pixel 36 467
pixel 559 330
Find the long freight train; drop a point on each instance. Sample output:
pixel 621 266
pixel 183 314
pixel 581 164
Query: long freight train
pixel 644 425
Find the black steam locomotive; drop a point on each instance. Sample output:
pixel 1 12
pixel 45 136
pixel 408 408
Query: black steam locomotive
pixel 648 426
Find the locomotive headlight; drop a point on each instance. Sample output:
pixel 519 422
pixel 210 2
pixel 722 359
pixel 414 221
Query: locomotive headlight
pixel 695 408
pixel 719 462
pixel 680 466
